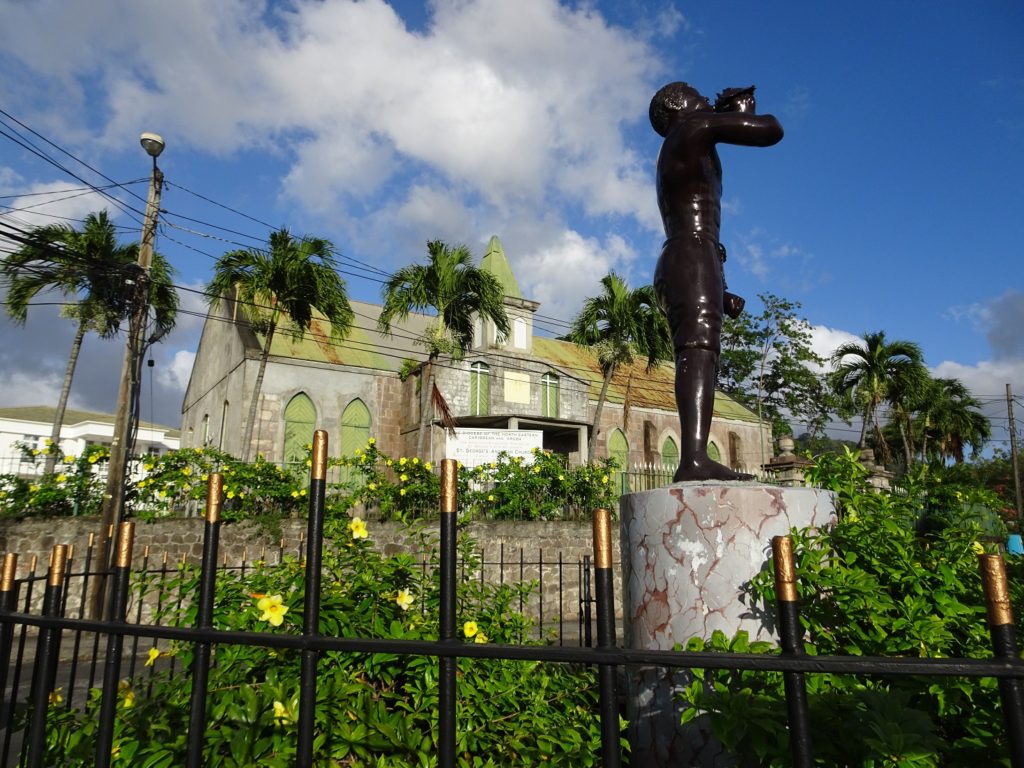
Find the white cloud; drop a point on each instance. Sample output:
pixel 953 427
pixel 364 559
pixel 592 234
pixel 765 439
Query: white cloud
pixel 564 272
pixel 175 375
pixel 825 341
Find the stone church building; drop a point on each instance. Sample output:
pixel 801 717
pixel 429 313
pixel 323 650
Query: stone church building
pixel 367 385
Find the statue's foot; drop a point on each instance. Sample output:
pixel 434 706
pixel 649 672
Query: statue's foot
pixel 706 469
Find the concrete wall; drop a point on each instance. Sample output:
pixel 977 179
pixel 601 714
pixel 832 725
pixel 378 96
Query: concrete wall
pixel 551 552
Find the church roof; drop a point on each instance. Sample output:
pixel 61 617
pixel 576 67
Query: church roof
pixel 495 262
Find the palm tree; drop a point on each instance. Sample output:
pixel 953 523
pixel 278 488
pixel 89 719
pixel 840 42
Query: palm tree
pixel 952 416
pixel 866 374
pixel 458 292
pixel 620 324
pixel 279 289
pixel 90 268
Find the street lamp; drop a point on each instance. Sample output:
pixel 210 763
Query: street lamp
pixel 138 285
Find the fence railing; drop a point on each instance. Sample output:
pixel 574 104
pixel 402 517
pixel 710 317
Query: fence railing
pixel 26 708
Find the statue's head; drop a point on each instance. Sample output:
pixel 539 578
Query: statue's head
pixel 670 101
pixel 735 100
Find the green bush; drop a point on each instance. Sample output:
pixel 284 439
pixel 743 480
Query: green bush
pixel 897 576
pixel 74 488
pixel 372 709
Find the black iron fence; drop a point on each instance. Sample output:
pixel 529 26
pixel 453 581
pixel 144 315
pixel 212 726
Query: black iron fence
pixel 103 649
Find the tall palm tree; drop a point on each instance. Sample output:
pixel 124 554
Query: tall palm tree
pixel 458 292
pixel 90 268
pixel 866 374
pixel 279 289
pixel 620 324
pixel 952 417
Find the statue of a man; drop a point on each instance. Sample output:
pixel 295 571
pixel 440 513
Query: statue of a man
pixel 689 277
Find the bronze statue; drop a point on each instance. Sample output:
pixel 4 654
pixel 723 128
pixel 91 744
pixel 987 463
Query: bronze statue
pixel 689 278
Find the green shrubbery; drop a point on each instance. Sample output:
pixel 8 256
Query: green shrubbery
pixel 898 576
pixel 372 709
pixel 403 488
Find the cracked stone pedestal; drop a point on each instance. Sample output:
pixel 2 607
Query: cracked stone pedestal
pixel 688 552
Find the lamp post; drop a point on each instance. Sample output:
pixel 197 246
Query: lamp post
pixel 137 284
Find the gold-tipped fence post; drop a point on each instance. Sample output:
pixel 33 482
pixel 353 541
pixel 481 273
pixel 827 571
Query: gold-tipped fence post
pixel 791 636
pixel 47 653
pixel 604 584
pixel 202 655
pixel 447 665
pixel 1004 646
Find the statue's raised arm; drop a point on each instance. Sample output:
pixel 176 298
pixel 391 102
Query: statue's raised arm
pixel 689 277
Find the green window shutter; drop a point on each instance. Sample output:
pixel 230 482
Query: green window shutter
pixel 355 431
pixel 618 449
pixel 479 389
pixel 299 423
pixel 713 453
pixel 670 453
pixel 549 395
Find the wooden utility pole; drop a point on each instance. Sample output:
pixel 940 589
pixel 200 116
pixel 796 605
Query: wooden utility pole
pixel 138 285
pixel 1013 448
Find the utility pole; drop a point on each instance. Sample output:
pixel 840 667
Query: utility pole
pixel 138 286
pixel 1013 448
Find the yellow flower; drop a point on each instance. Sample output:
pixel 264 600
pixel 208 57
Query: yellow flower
pixel 359 451
pixel 93 459
pixel 33 488
pixel 428 466
pixel 229 494
pixel 35 451
pixel 127 694
pixel 404 599
pixel 561 477
pixel 152 656
pixel 604 479
pixel 204 478
pixel 469 629
pixel 978 548
pixel 389 462
pixel 403 477
pixel 493 465
pixel 62 478
pixel 70 459
pixel 302 492
pixel 401 461
pixel 358 528
pixel 415 460
pixel 273 610
pixel 480 638
pixel 186 471
pixel 48 441
pixel 402 492
pixel 372 486
pixel 536 470
pixel 281 714
pixel 490 497
pixel 56 697
pixel 295 494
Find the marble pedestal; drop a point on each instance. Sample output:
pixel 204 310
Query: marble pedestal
pixel 688 552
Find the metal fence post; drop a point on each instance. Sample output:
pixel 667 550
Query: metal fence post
pixel 611 756
pixel 1004 646
pixel 115 642
pixel 47 651
pixel 447 664
pixel 311 608
pixel 792 645
pixel 204 620
pixel 8 602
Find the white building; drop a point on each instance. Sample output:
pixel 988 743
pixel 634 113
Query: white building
pixel 31 426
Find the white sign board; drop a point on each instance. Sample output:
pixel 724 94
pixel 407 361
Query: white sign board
pixel 474 447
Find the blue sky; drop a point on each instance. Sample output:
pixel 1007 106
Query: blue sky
pixel 893 203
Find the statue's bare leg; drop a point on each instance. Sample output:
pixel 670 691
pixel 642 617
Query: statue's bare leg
pixel 696 371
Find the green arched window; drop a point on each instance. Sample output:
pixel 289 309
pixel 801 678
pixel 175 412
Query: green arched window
pixel 479 389
pixel 670 454
pixel 299 423
pixel 713 453
pixel 618 449
pixel 355 431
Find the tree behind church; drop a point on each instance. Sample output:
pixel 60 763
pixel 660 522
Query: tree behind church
pixel 458 292
pixel 280 289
